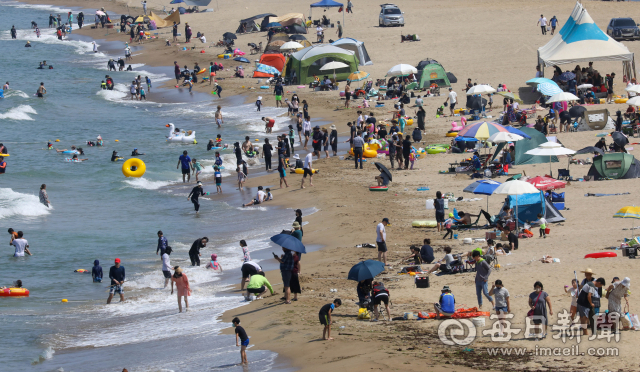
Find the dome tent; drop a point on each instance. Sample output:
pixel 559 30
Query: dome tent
pixel 430 72
pixel 355 46
pixel 618 165
pixel 308 61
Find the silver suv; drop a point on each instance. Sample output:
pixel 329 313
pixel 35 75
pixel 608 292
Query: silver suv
pixel 390 15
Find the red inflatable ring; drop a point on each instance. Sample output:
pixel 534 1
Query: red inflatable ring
pixel 601 255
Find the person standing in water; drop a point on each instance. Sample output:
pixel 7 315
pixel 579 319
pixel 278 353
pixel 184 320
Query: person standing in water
pixel 162 243
pixel 195 194
pixel 117 275
pixel 185 161
pixel 194 252
pixel 219 119
pixel 44 198
pixel 166 266
pixel 182 286
pixel 41 91
pixel 96 272
pixel 13 32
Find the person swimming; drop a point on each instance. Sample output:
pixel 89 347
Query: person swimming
pixel 213 264
pixel 135 152
pixel 114 156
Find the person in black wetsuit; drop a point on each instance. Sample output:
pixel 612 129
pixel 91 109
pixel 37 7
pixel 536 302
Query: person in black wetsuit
pixel 237 152
pixel 135 152
pixel 194 195
pixel 80 19
pixel 114 156
pixel 194 252
pixel 13 32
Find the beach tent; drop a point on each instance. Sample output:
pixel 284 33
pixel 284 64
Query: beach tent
pixel 280 36
pixel 524 145
pixel 615 166
pixel 167 21
pixel 355 46
pixel 255 23
pixel 326 4
pixel 308 61
pixel 596 120
pixel 295 29
pixel 276 60
pixel 181 10
pixel 580 41
pixel 529 205
pixel 288 19
pixel 430 72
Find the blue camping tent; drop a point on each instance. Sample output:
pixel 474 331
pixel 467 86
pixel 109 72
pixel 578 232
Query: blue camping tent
pixel 528 207
pixel 327 4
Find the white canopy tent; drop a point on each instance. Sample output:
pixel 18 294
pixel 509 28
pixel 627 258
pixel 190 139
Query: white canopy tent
pixel 580 40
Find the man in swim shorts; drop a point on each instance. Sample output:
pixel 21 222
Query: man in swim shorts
pixel 269 122
pixel 185 161
pixel 117 275
pixel 219 119
pixel 41 91
pixel 278 90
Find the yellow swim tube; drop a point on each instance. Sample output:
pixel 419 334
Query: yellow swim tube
pixel 451 134
pixel 301 171
pixel 367 152
pixel 133 167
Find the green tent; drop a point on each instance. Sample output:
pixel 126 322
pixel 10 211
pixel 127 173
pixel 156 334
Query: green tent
pixel 429 72
pixel 308 61
pixel 614 166
pixel 525 145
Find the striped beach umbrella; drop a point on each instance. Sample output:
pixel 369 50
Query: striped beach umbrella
pixel 358 75
pixel 548 89
pixel 482 130
pixel 628 212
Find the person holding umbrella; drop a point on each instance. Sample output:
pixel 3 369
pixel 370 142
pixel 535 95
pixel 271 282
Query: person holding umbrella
pixel 288 243
pixel 385 176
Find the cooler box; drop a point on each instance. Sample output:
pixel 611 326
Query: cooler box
pixel 559 206
pixel 422 282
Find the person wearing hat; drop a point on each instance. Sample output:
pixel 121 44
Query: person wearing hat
pixel 117 276
pixel 218 90
pixel 452 99
pixel 333 139
pixel 296 230
pixel 195 193
pixel 298 163
pixel 446 304
pixel 182 287
pixel 28 44
pixel 615 292
pixel 588 298
pixel 381 240
pixel 213 264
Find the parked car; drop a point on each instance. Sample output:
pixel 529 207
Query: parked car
pixel 390 15
pixel 623 28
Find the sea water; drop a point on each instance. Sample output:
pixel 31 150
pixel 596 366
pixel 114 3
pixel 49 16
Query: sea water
pixel 97 213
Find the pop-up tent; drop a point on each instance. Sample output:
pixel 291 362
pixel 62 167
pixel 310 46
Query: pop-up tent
pixel 355 46
pixel 431 72
pixel 167 21
pixel 295 29
pixel 580 41
pixel 326 4
pixel 288 19
pixel 308 61
pixel 529 205
pixel 276 60
pixel 596 120
pixel 255 23
pixel 615 166
pixel 524 145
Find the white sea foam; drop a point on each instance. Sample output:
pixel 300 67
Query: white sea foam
pixel 48 8
pixel 18 204
pixel 15 93
pixel 21 112
pixel 119 92
pixel 45 355
pixel 145 184
pixel 48 36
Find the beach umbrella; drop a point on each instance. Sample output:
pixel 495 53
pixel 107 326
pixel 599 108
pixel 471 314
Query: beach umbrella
pixel 546 183
pixel 334 65
pixel 550 149
pixel 402 70
pixel 480 89
pixel 566 76
pixel 619 139
pixel 500 137
pixel 512 96
pixel 260 67
pixel 364 270
pixel 589 150
pixel 635 88
pixel 100 12
pixel 516 188
pixel 481 130
pixel 476 103
pixel 482 187
pixel 290 45
pixel 382 168
pixel 635 101
pixel 536 81
pixel 229 35
pixel 297 37
pixel 517 131
pixel 585 86
pixel 548 89
pixel 562 97
pixel 358 75
pixel 241 59
pixel 290 242
pixel 577 111
pixel 628 212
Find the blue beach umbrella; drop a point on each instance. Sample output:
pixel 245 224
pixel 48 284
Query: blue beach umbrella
pixel 517 131
pixel 364 270
pixel 536 81
pixel 482 187
pixel 548 89
pixel 267 69
pixel 241 59
pixel 567 75
pixel 289 242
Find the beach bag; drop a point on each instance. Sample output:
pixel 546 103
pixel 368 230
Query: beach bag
pixel 626 319
pixel 635 322
pixel 363 314
pixel 530 312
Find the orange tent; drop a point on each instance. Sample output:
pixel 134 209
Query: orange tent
pixel 276 60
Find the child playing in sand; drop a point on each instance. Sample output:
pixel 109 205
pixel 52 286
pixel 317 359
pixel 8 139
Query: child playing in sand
pixel 213 264
pixel 244 340
pixel 325 318
pixel 269 195
pixel 218 175
pixel 412 159
pixel 447 225
pixel 573 292
pixel 241 178
pixel 543 225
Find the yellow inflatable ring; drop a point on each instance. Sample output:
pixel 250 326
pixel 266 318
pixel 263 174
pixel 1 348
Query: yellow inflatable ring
pixel 621 100
pixel 452 134
pixel 301 171
pixel 409 121
pixel 367 152
pixel 133 162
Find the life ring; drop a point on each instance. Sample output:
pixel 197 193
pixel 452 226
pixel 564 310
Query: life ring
pixel 452 134
pixel 264 87
pixel 446 146
pixel 409 121
pixel 301 171
pixel 5 155
pixel 424 223
pixel 621 100
pixel 601 255
pixel 436 150
pixel 378 188
pixel 133 162
pixel 202 71
pixel 82 271
pixel 76 152
pixel 14 292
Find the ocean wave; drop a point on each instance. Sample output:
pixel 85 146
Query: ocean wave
pixel 18 204
pixel 15 93
pixel 48 36
pixel 21 112
pixel 48 8
pixel 119 92
pixel 44 356
pixel 145 184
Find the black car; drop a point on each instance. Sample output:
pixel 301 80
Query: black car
pixel 623 28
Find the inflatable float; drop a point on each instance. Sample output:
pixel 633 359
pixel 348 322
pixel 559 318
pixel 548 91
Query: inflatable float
pixel 435 150
pixel 378 188
pixel 452 134
pixel 180 136
pixel 14 292
pixel 3 155
pixel 201 71
pixel 424 224
pixel 301 171
pixel 225 56
pixel 601 255
pixel 264 87
pixel 621 100
pixel 133 167
pixel 367 152
pixel 75 152
pixel 81 271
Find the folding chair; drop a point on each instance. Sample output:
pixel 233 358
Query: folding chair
pixel 473 224
pixel 563 174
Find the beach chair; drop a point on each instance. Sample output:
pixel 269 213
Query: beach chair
pixel 563 174
pixel 472 224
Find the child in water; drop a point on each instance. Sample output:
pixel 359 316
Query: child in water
pixel 142 94
pixel 259 103
pixel 49 145
pixel 218 140
pixel 218 175
pixel 148 83
pixel 196 168
pixel 213 264
pixel 241 178
pixel 96 272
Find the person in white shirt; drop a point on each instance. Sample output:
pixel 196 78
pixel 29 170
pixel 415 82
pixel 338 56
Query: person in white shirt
pixel 21 246
pixel 166 266
pixel 543 24
pixel 453 99
pixel 419 101
pixel 381 240
pixel 203 39
pixel 260 197
pixel 306 129
pixel 308 162
pixel 319 32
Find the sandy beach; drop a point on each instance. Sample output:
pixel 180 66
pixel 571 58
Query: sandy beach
pixel 490 42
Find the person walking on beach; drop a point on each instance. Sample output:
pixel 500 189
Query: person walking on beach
pixel 282 171
pixel 195 193
pixel 166 266
pixel 44 198
pixel 218 90
pixel 339 32
pixel 277 91
pixel 308 170
pixel 182 287
pixel 325 318
pixel 358 145
pixel 381 240
pixel 219 119
pixel 286 271
pixel 349 7
pixel 453 99
pixel 244 340
pixel 503 305
pixel 543 24
pixel 266 154
pixel 117 276
pixel 21 245
pixel 174 31
pixel 554 23
pixel 162 243
pixel 176 66
pixel 483 270
pixel 185 161
pixel 194 252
